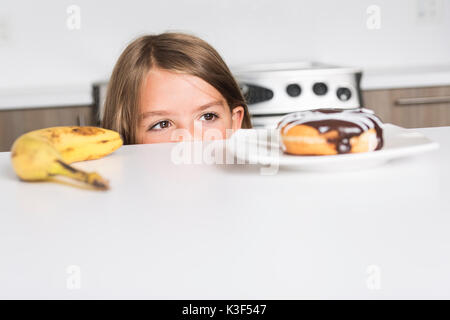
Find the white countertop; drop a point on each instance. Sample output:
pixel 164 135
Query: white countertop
pixel 216 231
pixel 43 97
pixel 406 77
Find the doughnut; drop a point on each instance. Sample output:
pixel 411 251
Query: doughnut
pixel 330 131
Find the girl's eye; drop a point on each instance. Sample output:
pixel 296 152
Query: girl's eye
pixel 161 125
pixel 209 116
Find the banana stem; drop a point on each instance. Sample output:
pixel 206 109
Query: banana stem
pixel 91 178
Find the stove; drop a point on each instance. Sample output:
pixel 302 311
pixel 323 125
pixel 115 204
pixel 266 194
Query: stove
pixel 273 90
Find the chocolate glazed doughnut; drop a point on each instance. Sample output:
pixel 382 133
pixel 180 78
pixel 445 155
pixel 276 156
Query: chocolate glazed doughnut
pixel 331 131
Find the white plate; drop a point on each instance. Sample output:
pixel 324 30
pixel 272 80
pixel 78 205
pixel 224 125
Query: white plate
pixel 262 146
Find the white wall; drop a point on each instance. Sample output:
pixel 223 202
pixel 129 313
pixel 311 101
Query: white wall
pixel 38 50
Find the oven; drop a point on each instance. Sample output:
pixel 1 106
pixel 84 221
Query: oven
pixel 273 90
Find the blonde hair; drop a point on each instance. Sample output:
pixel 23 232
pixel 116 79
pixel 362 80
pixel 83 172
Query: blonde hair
pixel 170 51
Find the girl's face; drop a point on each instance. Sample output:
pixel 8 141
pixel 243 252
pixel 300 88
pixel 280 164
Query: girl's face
pixel 177 107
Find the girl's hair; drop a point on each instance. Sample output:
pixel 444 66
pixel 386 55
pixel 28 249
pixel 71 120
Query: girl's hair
pixel 176 52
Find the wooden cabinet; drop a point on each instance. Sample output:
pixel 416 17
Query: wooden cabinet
pixel 15 122
pixel 411 107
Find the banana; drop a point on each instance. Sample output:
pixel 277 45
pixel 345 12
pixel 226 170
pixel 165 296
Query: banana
pixel 42 154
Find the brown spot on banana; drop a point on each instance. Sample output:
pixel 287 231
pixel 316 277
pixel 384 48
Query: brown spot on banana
pixel 97 156
pixel 87 131
pixel 13 154
pixel 54 135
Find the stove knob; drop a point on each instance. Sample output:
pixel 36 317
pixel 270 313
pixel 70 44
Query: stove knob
pixel 255 94
pixel 268 94
pixel 320 88
pixel 293 90
pixel 344 94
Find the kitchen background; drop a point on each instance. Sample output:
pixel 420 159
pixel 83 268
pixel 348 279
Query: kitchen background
pixel 48 65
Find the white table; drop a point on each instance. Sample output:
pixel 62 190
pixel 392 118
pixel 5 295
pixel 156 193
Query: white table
pixel 226 231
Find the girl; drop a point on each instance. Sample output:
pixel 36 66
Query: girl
pixel 169 82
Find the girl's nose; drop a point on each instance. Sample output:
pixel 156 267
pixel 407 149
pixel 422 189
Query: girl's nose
pixel 195 131
pixel 187 132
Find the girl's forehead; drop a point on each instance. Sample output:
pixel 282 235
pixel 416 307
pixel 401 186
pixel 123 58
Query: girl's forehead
pixel 169 89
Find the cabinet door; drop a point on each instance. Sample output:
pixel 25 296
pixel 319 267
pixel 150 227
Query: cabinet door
pixel 13 123
pixel 412 107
